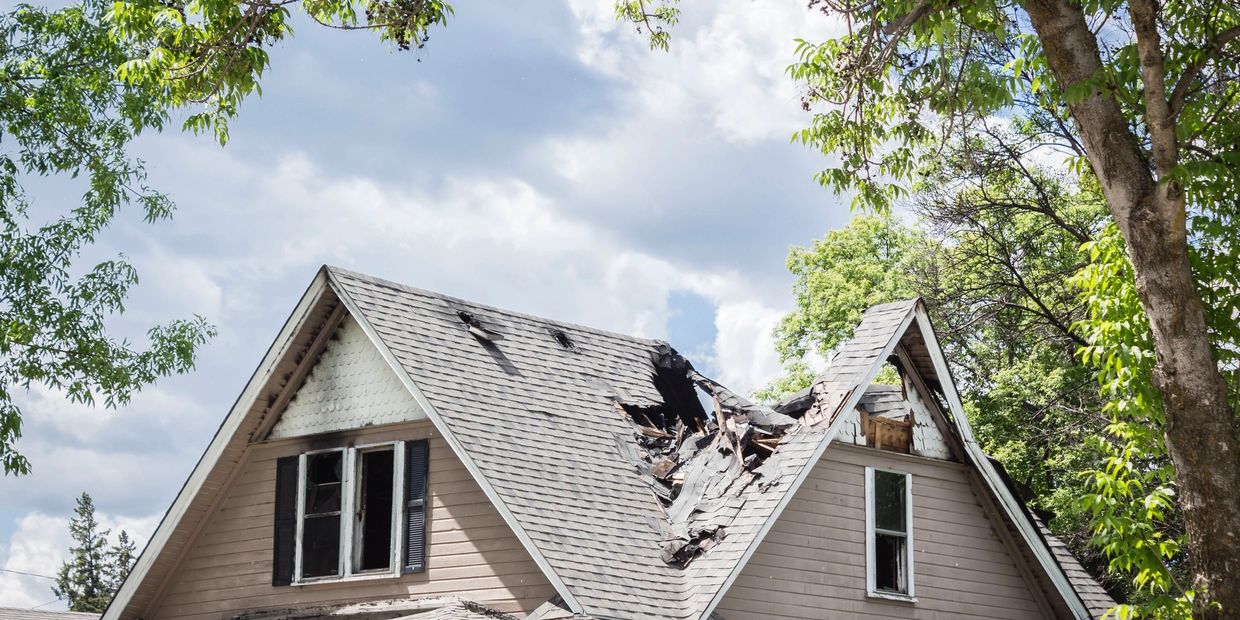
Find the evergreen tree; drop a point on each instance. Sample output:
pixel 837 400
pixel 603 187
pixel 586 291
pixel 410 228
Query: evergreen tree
pixel 85 580
pixel 121 559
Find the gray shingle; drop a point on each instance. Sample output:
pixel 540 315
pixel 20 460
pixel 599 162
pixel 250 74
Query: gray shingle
pixel 1095 597
pixel 543 426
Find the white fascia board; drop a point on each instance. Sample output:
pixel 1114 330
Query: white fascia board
pixel 991 477
pixel 228 428
pixel 828 437
pixel 560 587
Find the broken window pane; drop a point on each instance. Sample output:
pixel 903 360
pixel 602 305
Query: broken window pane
pixel 374 516
pixel 889 563
pixel 889 508
pixel 323 482
pixel 890 570
pixel 320 539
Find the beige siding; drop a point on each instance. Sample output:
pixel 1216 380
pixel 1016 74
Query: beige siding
pixel 812 562
pixel 473 553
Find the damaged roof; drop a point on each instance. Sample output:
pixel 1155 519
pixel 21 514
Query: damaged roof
pixel 634 499
pixel 581 443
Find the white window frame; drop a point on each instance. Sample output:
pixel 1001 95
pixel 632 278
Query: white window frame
pixel 349 491
pixel 870 532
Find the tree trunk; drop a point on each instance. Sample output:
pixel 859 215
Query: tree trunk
pixel 1201 426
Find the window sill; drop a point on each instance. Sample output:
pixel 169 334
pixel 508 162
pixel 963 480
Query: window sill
pixel 347 579
pixel 891 596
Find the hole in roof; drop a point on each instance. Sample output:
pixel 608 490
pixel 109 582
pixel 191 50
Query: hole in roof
pixel 562 338
pixel 467 318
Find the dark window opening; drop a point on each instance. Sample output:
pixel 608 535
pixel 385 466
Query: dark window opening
pixel 890 534
pixel 889 563
pixel 374 515
pixel 320 549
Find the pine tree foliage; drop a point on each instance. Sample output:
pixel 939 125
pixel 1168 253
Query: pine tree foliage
pixel 95 570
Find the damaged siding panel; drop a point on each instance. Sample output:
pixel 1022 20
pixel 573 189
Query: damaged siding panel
pixel 812 562
pixel 472 551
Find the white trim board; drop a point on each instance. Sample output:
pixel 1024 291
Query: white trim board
pixel 991 477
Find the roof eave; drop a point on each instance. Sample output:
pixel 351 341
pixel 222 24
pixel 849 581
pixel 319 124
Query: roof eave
pixel 210 457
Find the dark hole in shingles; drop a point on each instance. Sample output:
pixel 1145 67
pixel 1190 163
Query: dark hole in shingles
pixel 561 337
pixel 467 318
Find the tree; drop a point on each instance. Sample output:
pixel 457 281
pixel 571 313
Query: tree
pixel 1145 95
pixel 120 561
pixel 77 85
pixel 996 286
pixel 95 570
pixel 85 580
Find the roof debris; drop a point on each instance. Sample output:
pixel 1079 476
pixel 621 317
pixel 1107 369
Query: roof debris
pixel 697 463
pixel 480 331
pixel 426 608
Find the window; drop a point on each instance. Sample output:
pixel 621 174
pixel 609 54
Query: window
pixel 350 513
pixel 889 534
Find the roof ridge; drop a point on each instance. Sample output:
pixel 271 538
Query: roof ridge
pixel 400 286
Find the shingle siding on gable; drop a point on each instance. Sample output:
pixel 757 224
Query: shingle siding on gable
pixel 350 386
pixel 812 563
pixel 472 551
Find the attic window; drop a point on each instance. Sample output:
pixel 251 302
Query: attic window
pixel 889 534
pixel 561 337
pixel 343 512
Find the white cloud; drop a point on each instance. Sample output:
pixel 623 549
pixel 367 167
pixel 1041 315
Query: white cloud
pixel 726 63
pixel 256 221
pixel 743 345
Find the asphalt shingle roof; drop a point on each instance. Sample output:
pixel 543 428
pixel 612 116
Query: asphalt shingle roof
pixel 542 424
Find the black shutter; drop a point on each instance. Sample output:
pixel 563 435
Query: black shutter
pixel 285 537
pixel 416 462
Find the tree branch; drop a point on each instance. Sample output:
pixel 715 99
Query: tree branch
pixel 1180 94
pixel 1158 116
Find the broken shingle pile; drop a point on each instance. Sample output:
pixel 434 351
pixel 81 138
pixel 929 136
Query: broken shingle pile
pixel 698 463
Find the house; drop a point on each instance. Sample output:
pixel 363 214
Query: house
pixel 400 453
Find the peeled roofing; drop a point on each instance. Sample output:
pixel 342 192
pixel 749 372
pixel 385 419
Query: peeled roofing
pixel 542 425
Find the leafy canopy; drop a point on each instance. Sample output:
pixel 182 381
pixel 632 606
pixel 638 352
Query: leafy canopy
pixel 77 85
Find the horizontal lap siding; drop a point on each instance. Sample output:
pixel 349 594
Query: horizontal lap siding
pixel 812 562
pixel 473 553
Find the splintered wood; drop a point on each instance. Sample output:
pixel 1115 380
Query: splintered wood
pixel 885 433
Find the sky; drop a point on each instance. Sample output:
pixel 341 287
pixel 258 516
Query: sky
pixel 535 156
